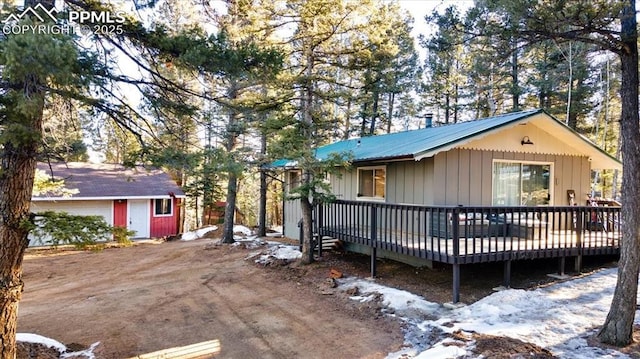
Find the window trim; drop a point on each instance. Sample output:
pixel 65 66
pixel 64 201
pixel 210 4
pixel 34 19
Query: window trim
pixel 155 207
pixel 552 177
pixel 367 198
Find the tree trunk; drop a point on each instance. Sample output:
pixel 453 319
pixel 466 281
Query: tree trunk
pixel 307 230
pixel 307 128
pixel 16 185
pixel 231 137
pixel 365 115
pixel 230 208
pixel 515 87
pixel 374 114
pixel 262 210
pixel 618 327
pixel 392 97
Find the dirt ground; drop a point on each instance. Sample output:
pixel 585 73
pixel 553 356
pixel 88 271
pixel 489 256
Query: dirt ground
pixel 161 295
pixel 151 297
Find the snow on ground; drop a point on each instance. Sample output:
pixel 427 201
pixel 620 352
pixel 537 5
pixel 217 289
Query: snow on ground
pixel 277 251
pixel 559 317
pixel 198 233
pixel 61 348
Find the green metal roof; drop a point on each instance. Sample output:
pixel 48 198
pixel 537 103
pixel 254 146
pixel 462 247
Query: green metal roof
pixel 408 144
pixel 416 144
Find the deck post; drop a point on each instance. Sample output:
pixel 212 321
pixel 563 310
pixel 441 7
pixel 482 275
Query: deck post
pixel 374 244
pixel 561 266
pixel 456 283
pixel 455 232
pixel 579 233
pixel 300 234
pixel 319 224
pixel 506 281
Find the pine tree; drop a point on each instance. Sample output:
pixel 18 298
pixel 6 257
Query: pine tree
pixel 445 64
pixel 609 26
pixel 34 67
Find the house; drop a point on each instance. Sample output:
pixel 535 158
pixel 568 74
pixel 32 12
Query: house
pixel 501 188
pixel 143 200
pixel 521 158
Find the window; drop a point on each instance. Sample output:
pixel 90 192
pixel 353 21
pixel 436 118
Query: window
pixel 521 184
pixel 163 207
pixel 371 182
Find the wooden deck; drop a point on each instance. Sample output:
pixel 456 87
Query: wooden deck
pixel 465 235
pixel 562 243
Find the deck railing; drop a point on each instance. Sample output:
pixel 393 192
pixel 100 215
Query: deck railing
pixel 473 234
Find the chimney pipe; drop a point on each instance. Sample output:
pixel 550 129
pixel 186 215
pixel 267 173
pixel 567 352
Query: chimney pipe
pixel 428 120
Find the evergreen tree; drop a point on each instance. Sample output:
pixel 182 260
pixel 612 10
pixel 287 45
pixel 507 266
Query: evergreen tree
pixel 36 66
pixel 445 64
pixel 609 26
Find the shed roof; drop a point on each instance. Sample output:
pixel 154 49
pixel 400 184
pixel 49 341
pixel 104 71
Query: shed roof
pixel 109 181
pixel 427 142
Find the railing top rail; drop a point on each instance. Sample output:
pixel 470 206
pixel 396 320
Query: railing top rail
pixel 471 207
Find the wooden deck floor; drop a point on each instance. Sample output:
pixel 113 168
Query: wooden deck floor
pixel 559 243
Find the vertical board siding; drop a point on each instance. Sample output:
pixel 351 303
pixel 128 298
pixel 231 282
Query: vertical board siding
pixel 476 177
pixel 421 182
pixel 458 176
pixel 439 178
pixel 292 214
pixel 452 178
pixel 163 226
pixel 487 178
pixel 464 176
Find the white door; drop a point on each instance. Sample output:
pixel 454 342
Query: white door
pixel 139 217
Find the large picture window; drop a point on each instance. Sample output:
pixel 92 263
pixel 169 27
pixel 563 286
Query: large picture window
pixel 163 207
pixel 521 184
pixel 372 182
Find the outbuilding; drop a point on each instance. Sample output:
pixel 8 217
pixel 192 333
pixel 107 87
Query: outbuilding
pixel 144 200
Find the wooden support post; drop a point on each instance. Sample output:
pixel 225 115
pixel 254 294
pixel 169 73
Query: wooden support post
pixel 319 225
pixel 455 221
pixel 506 281
pixel 456 283
pixel 561 266
pixel 374 244
pixel 301 234
pixel 373 262
pixel 579 229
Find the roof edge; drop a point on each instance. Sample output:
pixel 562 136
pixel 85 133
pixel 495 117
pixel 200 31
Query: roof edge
pixel 448 146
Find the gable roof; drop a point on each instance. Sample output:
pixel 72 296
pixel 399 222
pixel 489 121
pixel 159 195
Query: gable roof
pixel 427 142
pixel 109 181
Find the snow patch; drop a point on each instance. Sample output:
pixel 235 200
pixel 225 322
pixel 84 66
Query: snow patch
pixel 279 252
pixel 39 339
pixel 198 233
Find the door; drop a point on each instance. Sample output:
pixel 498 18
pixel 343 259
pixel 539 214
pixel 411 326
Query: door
pixel 139 217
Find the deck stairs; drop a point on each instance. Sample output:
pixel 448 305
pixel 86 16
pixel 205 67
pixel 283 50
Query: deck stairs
pixel 329 243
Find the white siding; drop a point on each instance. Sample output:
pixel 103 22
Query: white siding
pixel 78 208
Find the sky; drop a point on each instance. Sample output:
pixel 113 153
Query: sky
pixel 558 317
pixel 421 8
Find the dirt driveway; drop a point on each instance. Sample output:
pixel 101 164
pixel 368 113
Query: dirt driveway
pixel 151 297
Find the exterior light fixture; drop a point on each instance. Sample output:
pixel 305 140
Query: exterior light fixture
pixel 526 141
